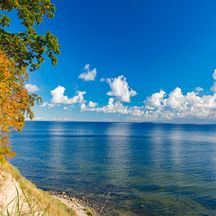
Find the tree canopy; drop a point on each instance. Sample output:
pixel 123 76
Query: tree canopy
pixel 27 48
pixel 21 52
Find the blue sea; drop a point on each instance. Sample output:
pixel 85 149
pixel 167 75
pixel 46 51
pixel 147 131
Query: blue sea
pixel 123 168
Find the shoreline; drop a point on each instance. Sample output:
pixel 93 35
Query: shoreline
pixel 19 195
pixel 81 206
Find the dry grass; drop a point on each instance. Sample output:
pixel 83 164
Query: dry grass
pixel 89 212
pixel 39 202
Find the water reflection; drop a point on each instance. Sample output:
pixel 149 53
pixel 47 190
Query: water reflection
pixel 175 138
pixel 55 158
pixel 157 142
pixel 56 147
pixel 118 153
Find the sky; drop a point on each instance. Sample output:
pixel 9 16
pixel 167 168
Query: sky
pixel 124 60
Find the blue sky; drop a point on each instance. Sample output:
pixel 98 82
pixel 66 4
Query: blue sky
pixel 153 44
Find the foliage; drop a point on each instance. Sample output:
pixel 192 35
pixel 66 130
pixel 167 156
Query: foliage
pixel 14 98
pixel 5 148
pixel 21 52
pixel 27 48
pixel 14 101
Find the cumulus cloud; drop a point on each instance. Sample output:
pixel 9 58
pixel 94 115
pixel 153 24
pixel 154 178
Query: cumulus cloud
pixel 120 89
pixel 175 105
pixel 214 74
pixel 48 105
pixel 92 104
pixel 58 96
pixel 175 99
pixel 31 88
pixel 198 89
pixel 113 106
pixel 88 74
pixel 156 100
pixel 162 106
pixel 213 87
pixel 83 107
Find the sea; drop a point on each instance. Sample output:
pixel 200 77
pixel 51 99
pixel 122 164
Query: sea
pixel 126 169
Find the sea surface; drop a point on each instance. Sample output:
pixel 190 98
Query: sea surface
pixel 124 168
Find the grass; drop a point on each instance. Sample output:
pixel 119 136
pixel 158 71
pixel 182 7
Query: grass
pixel 89 212
pixel 39 202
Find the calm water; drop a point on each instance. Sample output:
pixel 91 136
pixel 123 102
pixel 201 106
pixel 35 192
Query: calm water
pixel 132 168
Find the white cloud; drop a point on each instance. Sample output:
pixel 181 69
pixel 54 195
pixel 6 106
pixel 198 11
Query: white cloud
pixel 51 105
pixel 112 107
pixel 83 107
pixel 176 105
pixel 166 107
pixel 48 105
pixel 213 87
pixel 58 96
pixel 92 104
pixel 156 100
pixel 120 89
pixel 89 107
pixel 89 74
pixel 175 98
pixel 198 89
pixel 44 104
pixel 78 98
pixel 214 74
pixel 160 106
pixel 31 88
